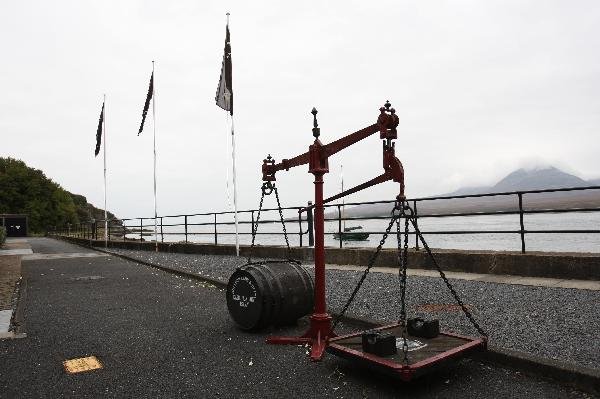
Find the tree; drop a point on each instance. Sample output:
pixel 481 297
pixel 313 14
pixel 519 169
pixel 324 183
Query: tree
pixel 27 190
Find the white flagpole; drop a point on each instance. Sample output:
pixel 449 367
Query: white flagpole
pixel 235 214
pixel 105 213
pixel 154 127
pixel 235 209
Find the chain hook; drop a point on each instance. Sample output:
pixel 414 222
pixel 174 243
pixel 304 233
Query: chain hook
pixel 401 207
pixel 267 188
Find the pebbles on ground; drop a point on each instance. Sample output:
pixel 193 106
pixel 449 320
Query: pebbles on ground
pixel 555 323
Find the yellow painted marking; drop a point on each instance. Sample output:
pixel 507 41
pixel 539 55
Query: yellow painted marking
pixel 82 364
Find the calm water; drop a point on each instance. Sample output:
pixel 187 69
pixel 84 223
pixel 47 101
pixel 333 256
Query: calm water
pixel 581 242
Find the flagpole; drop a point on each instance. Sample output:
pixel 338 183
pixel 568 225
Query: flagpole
pixel 154 128
pixel 235 208
pixel 105 213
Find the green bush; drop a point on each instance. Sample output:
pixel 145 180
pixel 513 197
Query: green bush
pixel 2 235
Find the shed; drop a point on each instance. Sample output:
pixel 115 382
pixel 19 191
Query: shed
pixel 15 224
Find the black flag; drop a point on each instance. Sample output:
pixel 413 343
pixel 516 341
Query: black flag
pixel 224 96
pixel 99 132
pixel 147 103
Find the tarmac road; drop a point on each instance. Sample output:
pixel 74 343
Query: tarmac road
pixel 160 335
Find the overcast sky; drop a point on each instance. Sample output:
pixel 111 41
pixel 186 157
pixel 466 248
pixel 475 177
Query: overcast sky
pixel 481 88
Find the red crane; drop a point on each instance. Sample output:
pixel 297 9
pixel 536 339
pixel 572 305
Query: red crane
pixel 317 159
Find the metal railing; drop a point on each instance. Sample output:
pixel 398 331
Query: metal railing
pixel 183 226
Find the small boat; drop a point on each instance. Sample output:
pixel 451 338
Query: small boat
pixel 350 234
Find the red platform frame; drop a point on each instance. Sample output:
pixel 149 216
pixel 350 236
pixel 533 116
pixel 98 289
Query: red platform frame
pixel 397 369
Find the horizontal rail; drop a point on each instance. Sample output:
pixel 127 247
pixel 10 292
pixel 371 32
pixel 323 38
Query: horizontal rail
pixel 144 226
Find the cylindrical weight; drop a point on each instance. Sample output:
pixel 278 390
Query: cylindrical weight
pixel 273 293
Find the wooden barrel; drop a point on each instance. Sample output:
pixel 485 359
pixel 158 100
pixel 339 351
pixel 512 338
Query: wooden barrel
pixel 273 293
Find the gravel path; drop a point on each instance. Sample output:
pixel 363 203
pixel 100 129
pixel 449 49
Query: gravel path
pixel 554 323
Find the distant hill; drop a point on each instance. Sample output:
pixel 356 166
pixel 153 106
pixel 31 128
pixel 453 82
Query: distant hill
pixel 522 179
pixel 27 190
pixel 519 180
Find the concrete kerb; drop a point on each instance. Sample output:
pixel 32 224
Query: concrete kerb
pixel 215 282
pixel 582 378
pixel 16 328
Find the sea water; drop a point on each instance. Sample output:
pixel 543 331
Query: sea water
pixel 436 231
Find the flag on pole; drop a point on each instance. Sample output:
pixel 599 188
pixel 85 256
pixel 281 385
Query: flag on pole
pixel 224 97
pixel 147 103
pixel 99 132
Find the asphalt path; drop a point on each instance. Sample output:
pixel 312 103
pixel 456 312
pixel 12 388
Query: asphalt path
pixel 161 335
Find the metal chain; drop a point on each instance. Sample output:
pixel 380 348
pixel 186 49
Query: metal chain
pixel 403 263
pixel 255 225
pixel 366 272
pixel 287 242
pixel 443 275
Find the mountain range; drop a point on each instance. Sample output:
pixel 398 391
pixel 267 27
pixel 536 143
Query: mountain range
pixel 519 180
pixel 534 179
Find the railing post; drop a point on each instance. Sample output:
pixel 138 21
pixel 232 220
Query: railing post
pixel 124 229
pixel 339 207
pixel 141 228
pixel 300 226
pixel 309 221
pixel 162 237
pixel 252 228
pixel 215 225
pixel 416 224
pixel 186 228
pixel 521 222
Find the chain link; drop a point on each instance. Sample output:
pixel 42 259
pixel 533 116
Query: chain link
pixel 287 242
pixel 450 287
pixel 267 188
pixel 403 265
pixel 263 189
pixel 366 272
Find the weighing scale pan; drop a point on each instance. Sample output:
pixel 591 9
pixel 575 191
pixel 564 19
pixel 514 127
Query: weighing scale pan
pixel 424 356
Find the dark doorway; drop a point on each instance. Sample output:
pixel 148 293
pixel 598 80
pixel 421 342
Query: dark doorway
pixel 16 226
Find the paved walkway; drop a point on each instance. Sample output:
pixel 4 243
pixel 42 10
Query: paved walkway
pixel 160 335
pixel 16 246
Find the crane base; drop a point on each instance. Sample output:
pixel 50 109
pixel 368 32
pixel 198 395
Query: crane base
pixel 424 356
pixel 316 336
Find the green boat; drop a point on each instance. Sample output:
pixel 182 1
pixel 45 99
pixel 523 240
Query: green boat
pixel 350 234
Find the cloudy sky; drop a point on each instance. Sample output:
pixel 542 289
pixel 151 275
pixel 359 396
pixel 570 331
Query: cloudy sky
pixel 481 88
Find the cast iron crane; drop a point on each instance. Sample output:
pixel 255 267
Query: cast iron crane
pixel 317 159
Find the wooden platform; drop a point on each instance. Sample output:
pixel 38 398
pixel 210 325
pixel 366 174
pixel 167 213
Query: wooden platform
pixel 435 352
